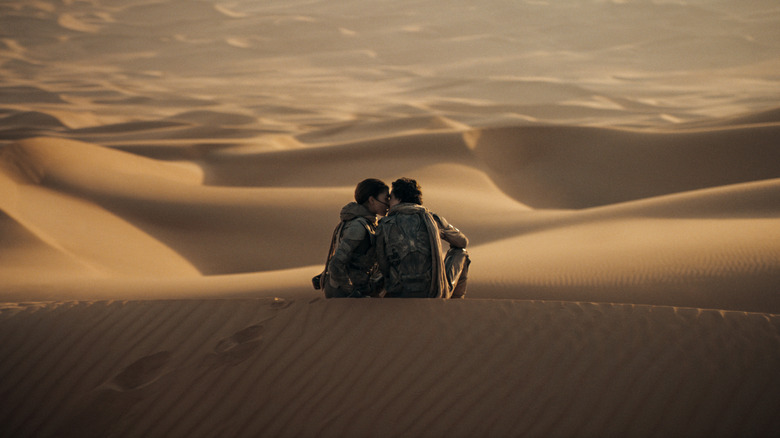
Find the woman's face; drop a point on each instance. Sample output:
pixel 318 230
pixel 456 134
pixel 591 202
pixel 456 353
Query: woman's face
pixel 379 204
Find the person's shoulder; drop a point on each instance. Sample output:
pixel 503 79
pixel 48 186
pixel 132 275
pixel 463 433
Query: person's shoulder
pixel 356 228
pixel 440 221
pixel 359 219
pixel 383 222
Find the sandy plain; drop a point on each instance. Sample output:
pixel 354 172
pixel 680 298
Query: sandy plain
pixel 171 171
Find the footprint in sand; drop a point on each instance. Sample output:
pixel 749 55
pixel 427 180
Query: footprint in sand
pixel 236 348
pixel 143 371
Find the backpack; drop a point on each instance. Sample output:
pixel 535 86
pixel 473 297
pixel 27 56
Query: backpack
pixel 407 248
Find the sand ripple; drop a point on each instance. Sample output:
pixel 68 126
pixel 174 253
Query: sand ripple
pixel 347 368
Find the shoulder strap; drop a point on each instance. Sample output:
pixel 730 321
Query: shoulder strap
pixel 334 238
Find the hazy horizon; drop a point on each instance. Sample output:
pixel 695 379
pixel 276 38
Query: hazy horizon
pixel 298 65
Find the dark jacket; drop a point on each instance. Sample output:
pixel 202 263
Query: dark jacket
pixel 353 261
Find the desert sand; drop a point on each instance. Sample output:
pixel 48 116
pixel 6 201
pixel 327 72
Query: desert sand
pixel 171 172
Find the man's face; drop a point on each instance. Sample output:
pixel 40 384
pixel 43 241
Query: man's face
pixel 394 201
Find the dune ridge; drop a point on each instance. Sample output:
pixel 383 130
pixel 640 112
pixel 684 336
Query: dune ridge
pixel 555 158
pixel 508 368
pixel 181 208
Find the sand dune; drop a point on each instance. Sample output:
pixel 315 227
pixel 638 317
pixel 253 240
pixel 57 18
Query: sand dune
pixel 723 264
pixel 628 246
pixel 300 368
pixel 545 166
pixel 171 172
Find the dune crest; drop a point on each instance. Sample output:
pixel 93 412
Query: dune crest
pixel 34 172
pixel 544 166
pixel 55 162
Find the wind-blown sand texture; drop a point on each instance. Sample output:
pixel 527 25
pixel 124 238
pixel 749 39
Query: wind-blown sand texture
pixel 171 172
pixel 398 368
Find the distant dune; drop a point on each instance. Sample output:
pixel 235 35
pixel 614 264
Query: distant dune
pixel 171 172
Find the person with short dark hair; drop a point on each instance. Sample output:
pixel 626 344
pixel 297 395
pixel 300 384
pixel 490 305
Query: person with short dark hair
pixel 409 250
pixel 406 190
pixel 351 269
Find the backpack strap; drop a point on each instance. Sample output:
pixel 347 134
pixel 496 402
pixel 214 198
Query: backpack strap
pixel 332 250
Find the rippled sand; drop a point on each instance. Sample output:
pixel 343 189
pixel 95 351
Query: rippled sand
pixel 171 171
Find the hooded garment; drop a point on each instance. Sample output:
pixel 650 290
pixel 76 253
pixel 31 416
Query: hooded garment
pixel 409 253
pixel 351 257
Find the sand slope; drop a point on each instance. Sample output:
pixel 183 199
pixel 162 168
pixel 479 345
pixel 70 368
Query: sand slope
pixel 620 252
pixel 394 368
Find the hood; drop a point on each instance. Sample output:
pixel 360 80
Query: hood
pixel 407 208
pixel 354 210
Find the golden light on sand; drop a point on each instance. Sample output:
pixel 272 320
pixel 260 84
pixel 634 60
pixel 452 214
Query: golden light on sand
pixel 171 172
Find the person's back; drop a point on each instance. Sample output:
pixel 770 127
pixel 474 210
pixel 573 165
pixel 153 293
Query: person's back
pixel 405 252
pixel 353 261
pixel 351 266
pixel 408 248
